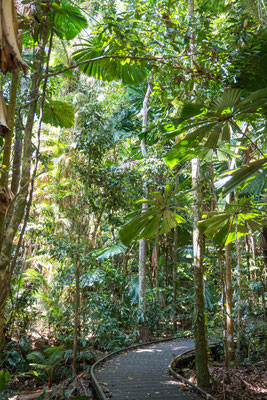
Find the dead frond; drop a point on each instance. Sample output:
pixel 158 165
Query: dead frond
pixel 6 198
pixel 10 57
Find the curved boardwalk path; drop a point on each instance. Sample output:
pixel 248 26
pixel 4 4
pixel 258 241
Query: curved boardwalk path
pixel 142 373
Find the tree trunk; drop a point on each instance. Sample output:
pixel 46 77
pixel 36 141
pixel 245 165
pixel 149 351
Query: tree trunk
pixel 230 356
pixel 9 134
pixel 238 261
pixel 142 242
pixel 8 144
pixel 174 278
pixel 20 201
pixel 222 281
pixel 16 163
pixel 142 275
pixel 77 308
pixel 202 372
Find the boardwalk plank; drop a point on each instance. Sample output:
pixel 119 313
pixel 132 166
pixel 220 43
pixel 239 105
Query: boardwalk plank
pixel 142 373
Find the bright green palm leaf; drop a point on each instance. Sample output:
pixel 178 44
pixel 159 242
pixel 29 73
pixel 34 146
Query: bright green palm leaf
pixel 170 220
pixel 242 174
pixel 198 134
pixel 212 221
pixel 228 99
pixel 108 69
pixel 233 223
pixel 150 228
pixel 226 133
pixel 158 217
pixel 58 113
pixel 235 232
pixel 254 101
pixel 68 21
pixel 132 229
pixel 205 131
pixel 215 134
pixel 191 110
pixel 221 234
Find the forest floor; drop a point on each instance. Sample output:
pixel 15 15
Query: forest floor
pixel 243 382
pixel 68 389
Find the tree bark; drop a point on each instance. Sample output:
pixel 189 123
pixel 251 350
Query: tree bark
pixel 20 200
pixel 16 163
pixel 142 242
pixel 229 307
pixel 77 308
pixel 222 281
pixel 8 143
pixel 238 261
pixel 9 134
pixel 174 278
pixel 202 372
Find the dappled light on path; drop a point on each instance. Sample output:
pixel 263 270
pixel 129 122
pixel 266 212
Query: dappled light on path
pixel 142 373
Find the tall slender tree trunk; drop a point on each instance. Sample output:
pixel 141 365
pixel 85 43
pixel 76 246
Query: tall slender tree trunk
pixel 222 282
pixel 230 356
pixel 174 278
pixel 201 354
pixel 77 307
pixel 238 261
pixel 264 268
pixel 20 201
pixel 16 163
pixel 142 242
pixel 202 372
pixel 8 143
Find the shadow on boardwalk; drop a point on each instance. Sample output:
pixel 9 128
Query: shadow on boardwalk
pixel 142 373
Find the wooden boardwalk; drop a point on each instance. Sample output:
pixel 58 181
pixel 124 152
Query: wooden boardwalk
pixel 142 373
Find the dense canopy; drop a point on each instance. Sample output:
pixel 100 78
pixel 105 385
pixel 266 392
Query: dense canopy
pixel 133 191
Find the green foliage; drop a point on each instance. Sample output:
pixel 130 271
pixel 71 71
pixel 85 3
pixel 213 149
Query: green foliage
pixel 237 220
pixel 216 121
pixel 242 174
pixel 158 216
pixel 110 68
pixel 58 113
pixel 110 251
pixel 213 108
pixel 68 20
pixel 47 360
pixel 4 378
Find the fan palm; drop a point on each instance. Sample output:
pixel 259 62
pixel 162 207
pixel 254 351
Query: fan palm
pixel 160 216
pixel 210 125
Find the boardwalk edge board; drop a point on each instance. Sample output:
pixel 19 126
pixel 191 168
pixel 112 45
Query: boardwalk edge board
pixel 98 389
pixel 186 381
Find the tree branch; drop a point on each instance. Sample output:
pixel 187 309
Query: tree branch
pixel 78 64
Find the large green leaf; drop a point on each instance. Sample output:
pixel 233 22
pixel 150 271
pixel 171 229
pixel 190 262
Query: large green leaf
pixel 234 223
pixel 4 378
pixel 109 251
pixel 133 228
pixel 254 101
pixel 158 217
pixel 68 21
pixel 242 174
pixel 58 113
pixel 108 69
pixel 190 110
pixel 170 220
pixel 213 127
pixel 228 99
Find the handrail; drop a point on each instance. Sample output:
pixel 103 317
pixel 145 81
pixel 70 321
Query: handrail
pixel 99 391
pixel 182 378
